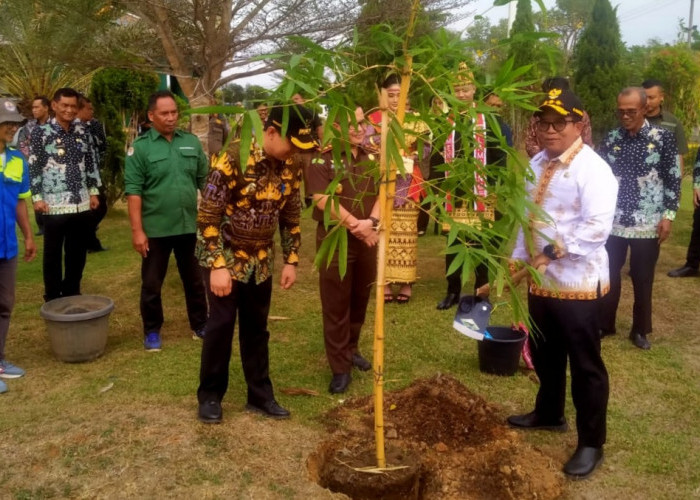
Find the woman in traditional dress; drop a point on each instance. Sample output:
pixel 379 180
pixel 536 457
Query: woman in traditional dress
pixel 403 239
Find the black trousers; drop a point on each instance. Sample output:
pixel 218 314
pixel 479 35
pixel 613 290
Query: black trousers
pixel 65 243
pixel 643 256
pixel 692 259
pixel 454 280
pixel 97 216
pixel 569 328
pixel 153 270
pixel 344 301
pixel 252 303
pixel 8 280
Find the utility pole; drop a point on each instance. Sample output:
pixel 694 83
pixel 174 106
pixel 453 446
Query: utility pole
pixel 690 23
pixel 511 15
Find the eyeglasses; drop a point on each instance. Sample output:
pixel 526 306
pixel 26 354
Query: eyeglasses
pixel 559 125
pixel 629 112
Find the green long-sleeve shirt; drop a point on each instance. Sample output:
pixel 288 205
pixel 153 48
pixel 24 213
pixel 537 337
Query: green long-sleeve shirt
pixel 166 175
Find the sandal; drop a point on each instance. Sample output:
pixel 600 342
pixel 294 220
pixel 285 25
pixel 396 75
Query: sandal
pixel 388 298
pixel 402 298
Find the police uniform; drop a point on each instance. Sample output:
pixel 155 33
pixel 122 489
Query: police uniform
pixel 344 300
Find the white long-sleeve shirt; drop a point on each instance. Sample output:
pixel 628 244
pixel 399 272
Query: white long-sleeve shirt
pixel 578 191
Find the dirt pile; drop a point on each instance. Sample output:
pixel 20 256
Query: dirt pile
pixel 463 448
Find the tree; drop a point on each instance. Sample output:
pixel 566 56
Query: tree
pixel 119 97
pixel 488 43
pixel 568 20
pixel 39 54
pixel 209 43
pixel 598 73
pixel 380 30
pixel 522 48
pixel 678 67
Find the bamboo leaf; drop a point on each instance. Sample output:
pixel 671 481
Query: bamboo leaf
pixel 342 251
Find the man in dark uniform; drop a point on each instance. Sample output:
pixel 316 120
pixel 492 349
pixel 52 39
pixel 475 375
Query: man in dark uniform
pixel 238 216
pixel 692 258
pixel 86 114
pixel 344 299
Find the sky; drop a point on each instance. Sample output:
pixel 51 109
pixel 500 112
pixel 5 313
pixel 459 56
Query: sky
pixel 640 20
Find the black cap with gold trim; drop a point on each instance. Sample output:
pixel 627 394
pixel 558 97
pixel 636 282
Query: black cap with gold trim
pixel 298 127
pixel 564 102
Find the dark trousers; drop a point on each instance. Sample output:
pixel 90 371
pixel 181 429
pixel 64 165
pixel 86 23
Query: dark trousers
pixel 65 239
pixel 97 215
pixel 344 301
pixel 8 278
pixel 454 280
pixel 692 259
pixel 153 270
pixel 643 256
pixel 252 303
pixel 569 328
pixel 39 218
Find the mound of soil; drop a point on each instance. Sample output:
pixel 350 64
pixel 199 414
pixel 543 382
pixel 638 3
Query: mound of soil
pixel 464 449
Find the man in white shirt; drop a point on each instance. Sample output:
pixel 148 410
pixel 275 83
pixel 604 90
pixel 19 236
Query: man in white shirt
pixel 576 192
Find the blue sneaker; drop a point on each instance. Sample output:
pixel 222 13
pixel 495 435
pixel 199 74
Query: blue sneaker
pixel 472 318
pixel 152 342
pixel 3 387
pixel 8 370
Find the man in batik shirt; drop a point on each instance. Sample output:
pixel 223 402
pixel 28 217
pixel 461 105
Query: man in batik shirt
pixel 240 211
pixel 644 158
pixel 65 183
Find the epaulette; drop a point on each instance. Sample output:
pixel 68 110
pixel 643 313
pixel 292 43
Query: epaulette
pixel 370 148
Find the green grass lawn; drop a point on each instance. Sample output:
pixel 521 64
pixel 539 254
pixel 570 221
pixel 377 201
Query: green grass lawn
pixel 124 426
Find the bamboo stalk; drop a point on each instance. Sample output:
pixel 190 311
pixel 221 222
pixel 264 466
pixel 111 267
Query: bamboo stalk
pixel 378 346
pixel 387 192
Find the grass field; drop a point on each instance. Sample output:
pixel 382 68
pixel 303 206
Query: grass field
pixel 124 426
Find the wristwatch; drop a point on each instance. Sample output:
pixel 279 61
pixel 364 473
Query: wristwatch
pixel 552 253
pixel 375 223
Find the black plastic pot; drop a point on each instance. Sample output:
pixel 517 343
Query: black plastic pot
pixel 500 354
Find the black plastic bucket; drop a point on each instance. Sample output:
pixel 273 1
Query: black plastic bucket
pixel 500 355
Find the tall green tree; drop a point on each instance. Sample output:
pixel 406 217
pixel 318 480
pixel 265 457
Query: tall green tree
pixel 598 73
pixel 119 97
pixel 523 48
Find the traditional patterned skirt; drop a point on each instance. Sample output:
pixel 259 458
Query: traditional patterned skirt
pixel 402 247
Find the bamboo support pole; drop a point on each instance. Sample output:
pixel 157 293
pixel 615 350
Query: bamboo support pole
pixel 387 192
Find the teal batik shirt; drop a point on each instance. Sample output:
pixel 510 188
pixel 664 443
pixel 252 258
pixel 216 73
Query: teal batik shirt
pixel 649 175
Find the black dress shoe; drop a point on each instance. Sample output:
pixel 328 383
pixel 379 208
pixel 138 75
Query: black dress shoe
pixel 359 362
pixel 97 249
pixel 449 300
pixel 683 272
pixel 606 333
pixel 640 341
pixel 339 383
pixel 210 412
pixel 532 421
pixel 583 462
pixel 270 409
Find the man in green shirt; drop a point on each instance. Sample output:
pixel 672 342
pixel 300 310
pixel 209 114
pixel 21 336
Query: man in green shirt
pixel 164 169
pixel 656 115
